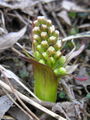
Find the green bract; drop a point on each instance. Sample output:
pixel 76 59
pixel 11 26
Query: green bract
pixel 47 51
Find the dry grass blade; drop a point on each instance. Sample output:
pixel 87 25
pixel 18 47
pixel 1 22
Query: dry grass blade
pixel 8 40
pixel 29 112
pixel 11 98
pixel 11 75
pixel 25 98
pixel 80 35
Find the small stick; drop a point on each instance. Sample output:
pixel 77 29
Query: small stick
pixel 25 98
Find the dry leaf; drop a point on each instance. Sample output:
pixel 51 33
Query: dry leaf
pixel 18 114
pixel 71 6
pixel 5 104
pixel 9 39
pixel 71 69
pixel 24 5
pixel 9 74
pixel 74 54
pixel 63 14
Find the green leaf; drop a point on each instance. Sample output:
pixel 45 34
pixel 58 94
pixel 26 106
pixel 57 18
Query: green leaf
pixel 46 83
pixel 72 14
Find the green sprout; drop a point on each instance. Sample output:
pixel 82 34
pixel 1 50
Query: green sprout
pixel 47 51
pixel 49 63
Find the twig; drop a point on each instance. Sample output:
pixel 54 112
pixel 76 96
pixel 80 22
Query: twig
pixel 25 98
pixel 84 26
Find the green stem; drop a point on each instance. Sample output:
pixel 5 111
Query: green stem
pixel 45 85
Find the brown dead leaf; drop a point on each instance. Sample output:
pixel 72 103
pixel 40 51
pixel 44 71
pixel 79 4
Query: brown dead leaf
pixel 9 39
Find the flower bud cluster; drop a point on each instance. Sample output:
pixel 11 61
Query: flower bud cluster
pixel 47 45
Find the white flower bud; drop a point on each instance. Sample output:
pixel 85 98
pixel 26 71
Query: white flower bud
pixel 52 40
pixel 57 54
pixel 36 30
pixel 44 35
pixel 44 27
pixel 49 22
pixel 58 45
pixel 36 37
pixel 51 50
pixel 36 23
pixel 56 33
pixel 41 19
pixel 44 44
pixel 51 29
